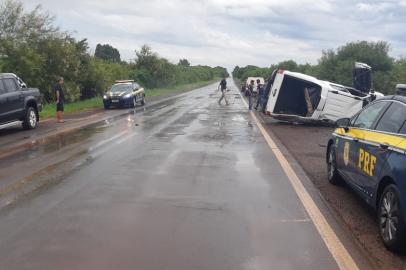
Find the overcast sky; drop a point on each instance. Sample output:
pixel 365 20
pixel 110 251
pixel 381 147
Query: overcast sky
pixel 229 33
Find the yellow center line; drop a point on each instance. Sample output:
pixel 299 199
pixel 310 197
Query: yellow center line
pixel 333 243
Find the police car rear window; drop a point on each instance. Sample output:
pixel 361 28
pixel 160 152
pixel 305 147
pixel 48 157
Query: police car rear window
pixel 393 118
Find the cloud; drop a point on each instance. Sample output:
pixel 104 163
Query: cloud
pixel 376 7
pixel 228 33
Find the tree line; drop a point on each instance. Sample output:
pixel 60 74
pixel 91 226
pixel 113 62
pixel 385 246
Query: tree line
pixel 32 47
pixel 336 65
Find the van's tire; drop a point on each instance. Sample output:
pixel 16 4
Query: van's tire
pixel 391 224
pixel 30 118
pixel 332 174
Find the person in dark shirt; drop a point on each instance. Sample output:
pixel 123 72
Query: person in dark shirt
pixel 60 99
pixel 249 93
pixel 260 90
pixel 223 87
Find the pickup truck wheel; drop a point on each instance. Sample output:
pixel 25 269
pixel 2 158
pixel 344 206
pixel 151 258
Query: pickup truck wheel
pixel 30 119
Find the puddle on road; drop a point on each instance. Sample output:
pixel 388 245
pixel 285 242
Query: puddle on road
pixel 54 144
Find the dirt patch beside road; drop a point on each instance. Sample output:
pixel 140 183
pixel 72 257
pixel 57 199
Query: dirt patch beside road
pixel 307 144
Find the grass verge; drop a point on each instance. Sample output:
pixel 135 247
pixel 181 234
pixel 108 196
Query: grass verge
pixel 49 109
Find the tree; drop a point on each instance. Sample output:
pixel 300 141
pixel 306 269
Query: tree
pixel 337 66
pixel 184 63
pixel 107 52
pixel 37 51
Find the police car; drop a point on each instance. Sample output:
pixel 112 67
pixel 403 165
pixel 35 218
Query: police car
pixel 124 93
pixel 368 151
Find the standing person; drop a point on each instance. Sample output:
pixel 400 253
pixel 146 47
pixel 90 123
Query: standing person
pixel 60 99
pixel 260 90
pixel 223 87
pixel 249 93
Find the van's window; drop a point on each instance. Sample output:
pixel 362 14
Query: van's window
pixel 10 85
pixel 393 118
pixel 369 115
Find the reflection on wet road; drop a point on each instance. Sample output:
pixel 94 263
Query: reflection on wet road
pixel 186 185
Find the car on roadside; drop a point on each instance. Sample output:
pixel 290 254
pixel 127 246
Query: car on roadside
pixel 368 152
pixel 124 93
pixel 18 103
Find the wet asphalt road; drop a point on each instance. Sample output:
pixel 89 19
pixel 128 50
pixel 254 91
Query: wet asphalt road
pixel 187 185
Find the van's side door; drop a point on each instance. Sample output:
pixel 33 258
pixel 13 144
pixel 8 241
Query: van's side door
pixel 341 103
pixel 15 99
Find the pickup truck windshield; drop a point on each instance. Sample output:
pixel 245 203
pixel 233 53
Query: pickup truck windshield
pixel 121 88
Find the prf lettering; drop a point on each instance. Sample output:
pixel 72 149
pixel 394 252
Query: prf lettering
pixel 366 162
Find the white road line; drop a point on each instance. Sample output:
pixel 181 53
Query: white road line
pixel 333 243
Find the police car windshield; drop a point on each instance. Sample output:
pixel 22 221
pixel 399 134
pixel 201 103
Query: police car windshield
pixel 121 87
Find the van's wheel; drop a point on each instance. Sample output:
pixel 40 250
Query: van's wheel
pixel 143 101
pixel 30 119
pixel 391 225
pixel 332 173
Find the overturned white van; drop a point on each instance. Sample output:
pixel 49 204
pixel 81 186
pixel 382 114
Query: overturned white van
pixel 297 97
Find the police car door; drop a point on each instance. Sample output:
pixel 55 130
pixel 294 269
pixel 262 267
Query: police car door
pixel 366 161
pixel 378 145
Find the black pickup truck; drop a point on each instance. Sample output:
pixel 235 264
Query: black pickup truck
pixel 18 104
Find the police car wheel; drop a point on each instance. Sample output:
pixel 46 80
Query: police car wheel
pixel 391 226
pixel 333 176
